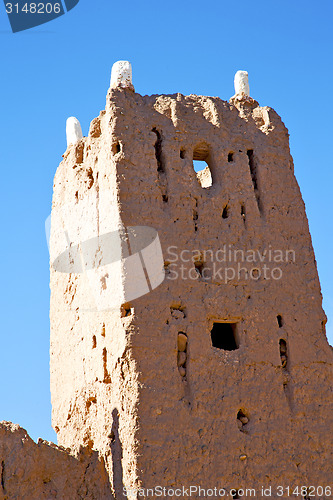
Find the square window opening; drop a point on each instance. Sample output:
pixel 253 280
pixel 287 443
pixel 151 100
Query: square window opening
pixel 224 336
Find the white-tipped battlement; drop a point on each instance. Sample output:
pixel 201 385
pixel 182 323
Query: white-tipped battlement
pixel 121 75
pixel 73 130
pixel 242 83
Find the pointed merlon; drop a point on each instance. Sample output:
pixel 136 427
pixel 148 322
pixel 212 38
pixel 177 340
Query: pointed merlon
pixel 73 130
pixel 242 83
pixel 121 75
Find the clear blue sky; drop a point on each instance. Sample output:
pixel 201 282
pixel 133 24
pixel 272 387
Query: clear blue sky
pixel 63 68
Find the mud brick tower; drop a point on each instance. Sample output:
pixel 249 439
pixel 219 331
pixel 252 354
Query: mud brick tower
pixel 219 376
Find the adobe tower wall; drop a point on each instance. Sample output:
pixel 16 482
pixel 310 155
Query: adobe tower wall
pixel 210 378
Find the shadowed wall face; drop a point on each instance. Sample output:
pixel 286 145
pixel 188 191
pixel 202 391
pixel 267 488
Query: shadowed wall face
pixel 45 471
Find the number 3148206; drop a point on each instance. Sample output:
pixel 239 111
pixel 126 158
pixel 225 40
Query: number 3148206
pixel 304 491
pixel 33 8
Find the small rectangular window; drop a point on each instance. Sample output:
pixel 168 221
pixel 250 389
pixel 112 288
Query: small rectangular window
pixel 224 336
pixel 201 165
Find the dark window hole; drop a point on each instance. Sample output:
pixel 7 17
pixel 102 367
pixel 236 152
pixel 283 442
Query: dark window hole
pixel 283 353
pixel 323 326
pixel 279 320
pixel 253 171
pixel 225 213
pixel 230 157
pixel 94 342
pixel 116 148
pixel 252 166
pixel 3 474
pixel 182 153
pixel 165 198
pixel 243 214
pixel 195 217
pixel 158 150
pixel 223 336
